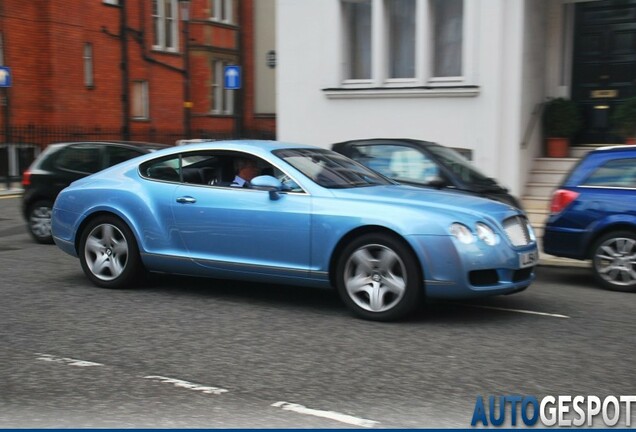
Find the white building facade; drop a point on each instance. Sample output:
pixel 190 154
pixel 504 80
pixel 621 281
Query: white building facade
pixel 464 73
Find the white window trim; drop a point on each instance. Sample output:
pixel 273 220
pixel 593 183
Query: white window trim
pixel 423 84
pixel 161 35
pixel 226 103
pixel 228 8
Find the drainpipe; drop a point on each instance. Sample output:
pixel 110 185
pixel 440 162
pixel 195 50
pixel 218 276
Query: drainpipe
pixel 125 93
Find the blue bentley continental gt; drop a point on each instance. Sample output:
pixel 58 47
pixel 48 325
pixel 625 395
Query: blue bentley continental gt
pixel 309 216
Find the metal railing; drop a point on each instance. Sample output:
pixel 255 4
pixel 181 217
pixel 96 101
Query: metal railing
pixel 26 142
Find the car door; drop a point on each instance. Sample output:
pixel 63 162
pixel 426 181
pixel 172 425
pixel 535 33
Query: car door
pixel 241 229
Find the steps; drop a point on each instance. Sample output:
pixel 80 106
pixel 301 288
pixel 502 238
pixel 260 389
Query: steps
pixel 546 175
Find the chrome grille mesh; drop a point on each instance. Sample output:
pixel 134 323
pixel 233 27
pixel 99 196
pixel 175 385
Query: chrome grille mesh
pixel 518 230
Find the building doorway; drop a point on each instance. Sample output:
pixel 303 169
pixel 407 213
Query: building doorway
pixel 604 65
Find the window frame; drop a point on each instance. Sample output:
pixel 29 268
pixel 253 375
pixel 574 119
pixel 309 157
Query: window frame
pixel 424 83
pixel 161 22
pixel 144 87
pixel 89 66
pixel 222 11
pixel 218 91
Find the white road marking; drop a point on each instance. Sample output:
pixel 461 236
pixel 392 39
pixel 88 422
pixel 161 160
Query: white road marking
pixel 518 311
pixel 188 385
pixel 10 196
pixel 66 360
pixel 343 418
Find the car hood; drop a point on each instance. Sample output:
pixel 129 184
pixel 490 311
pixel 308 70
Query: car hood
pixel 431 199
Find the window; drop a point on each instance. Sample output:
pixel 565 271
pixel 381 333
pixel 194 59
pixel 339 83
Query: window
pixel 166 26
pixel 222 11
pixel 84 159
pixel 116 154
pixel 398 162
pixel 358 22
pixel 619 173
pixel 139 100
pixel 401 38
pixel 88 65
pixel 412 43
pixel 222 99
pixel 447 34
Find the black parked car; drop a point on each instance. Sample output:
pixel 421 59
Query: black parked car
pixel 426 164
pixel 60 165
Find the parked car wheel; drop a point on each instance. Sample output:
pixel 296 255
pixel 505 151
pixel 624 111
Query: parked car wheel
pixel 614 261
pixel 39 217
pixel 109 254
pixel 378 278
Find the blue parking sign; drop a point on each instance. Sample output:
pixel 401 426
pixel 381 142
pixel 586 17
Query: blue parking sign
pixel 5 76
pixel 232 77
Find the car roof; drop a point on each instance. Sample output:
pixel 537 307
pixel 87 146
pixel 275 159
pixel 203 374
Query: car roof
pixel 256 146
pixel 614 149
pixel 138 144
pixel 384 140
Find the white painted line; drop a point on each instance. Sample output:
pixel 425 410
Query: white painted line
pixel 66 360
pixel 343 418
pixel 188 385
pixel 518 311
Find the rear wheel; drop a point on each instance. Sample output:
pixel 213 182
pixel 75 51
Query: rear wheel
pixel 109 254
pixel 39 220
pixel 614 261
pixel 378 278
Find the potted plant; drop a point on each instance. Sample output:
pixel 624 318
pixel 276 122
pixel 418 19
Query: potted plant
pixel 624 120
pixel 561 120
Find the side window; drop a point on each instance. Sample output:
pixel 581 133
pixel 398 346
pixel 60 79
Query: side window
pixel 83 159
pixel 398 162
pixel 166 169
pixel 615 173
pixel 115 155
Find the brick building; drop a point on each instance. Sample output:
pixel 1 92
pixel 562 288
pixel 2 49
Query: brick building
pixel 118 69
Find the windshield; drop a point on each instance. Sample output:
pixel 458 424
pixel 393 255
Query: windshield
pixel 330 169
pixel 463 169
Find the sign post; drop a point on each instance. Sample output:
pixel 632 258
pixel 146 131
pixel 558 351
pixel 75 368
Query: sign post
pixel 5 83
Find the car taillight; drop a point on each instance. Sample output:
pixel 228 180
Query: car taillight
pixel 26 178
pixel 562 198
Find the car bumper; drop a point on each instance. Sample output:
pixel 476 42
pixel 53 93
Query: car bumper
pixel 565 242
pixel 453 270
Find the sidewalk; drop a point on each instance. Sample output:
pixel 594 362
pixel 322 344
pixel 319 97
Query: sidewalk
pixel 14 188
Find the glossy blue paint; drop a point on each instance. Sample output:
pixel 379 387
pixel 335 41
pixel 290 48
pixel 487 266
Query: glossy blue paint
pixel 292 237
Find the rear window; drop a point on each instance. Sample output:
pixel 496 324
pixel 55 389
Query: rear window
pixel 83 159
pixel 614 173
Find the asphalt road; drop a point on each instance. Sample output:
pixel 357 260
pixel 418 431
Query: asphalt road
pixel 194 353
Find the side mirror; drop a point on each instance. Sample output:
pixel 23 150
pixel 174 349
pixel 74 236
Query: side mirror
pixel 268 183
pixel 437 182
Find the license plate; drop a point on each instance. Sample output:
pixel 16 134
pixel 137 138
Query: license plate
pixel 528 259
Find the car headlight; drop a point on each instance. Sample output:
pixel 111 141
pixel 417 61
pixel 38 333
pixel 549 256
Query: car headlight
pixel 462 233
pixel 485 233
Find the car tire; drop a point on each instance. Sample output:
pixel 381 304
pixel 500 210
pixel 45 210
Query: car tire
pixel 614 261
pixel 39 221
pixel 109 253
pixel 378 278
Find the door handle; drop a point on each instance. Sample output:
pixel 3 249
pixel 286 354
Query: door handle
pixel 186 200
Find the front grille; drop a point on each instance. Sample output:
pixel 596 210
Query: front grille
pixel 518 230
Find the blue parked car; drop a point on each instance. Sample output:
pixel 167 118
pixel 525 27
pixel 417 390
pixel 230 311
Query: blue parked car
pixel 311 217
pixel 593 216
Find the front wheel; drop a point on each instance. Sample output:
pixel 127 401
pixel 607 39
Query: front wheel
pixel 109 254
pixel 378 278
pixel 614 261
